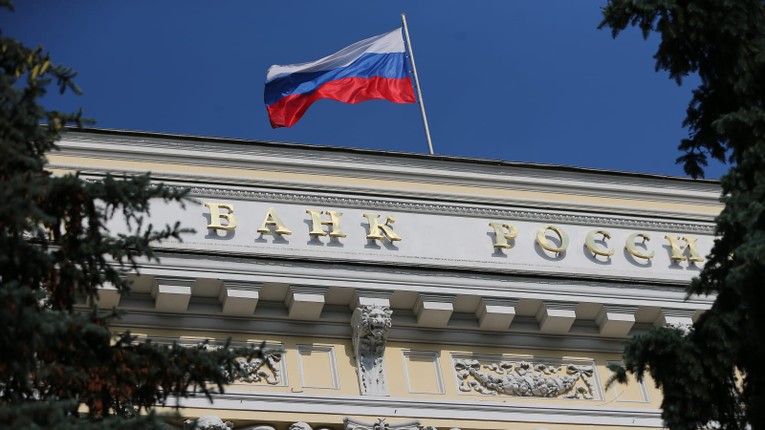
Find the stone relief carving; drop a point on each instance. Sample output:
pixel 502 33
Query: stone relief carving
pixel 523 378
pixel 207 422
pixel 212 422
pixel 370 331
pixel 354 424
pixel 265 368
pixel 300 425
pixel 261 369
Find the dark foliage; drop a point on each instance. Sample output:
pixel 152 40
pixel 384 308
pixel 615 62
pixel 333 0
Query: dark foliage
pixel 60 364
pixel 713 374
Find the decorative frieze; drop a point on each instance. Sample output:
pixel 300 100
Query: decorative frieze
pixel 526 379
pixel 370 331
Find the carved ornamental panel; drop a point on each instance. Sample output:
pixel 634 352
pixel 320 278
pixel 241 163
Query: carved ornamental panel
pixel 525 378
pixel 266 369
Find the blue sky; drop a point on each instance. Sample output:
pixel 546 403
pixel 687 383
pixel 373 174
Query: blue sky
pixel 528 81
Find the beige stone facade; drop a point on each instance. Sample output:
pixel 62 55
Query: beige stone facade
pixel 428 291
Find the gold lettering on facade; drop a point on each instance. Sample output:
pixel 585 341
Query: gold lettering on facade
pixel 589 242
pixel 678 253
pixel 375 228
pixel 546 244
pixel 272 219
pixel 216 216
pixel 316 223
pixel 636 252
pixel 502 234
pixel 550 238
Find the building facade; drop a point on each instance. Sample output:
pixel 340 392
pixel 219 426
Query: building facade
pixel 405 291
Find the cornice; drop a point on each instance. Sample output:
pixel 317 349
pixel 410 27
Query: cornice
pixel 505 411
pixel 136 320
pixel 217 145
pixel 391 278
pixel 383 165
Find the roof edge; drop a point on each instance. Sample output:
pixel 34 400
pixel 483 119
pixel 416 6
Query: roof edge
pixel 365 151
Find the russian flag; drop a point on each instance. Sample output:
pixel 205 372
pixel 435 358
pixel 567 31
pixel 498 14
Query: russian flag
pixel 373 68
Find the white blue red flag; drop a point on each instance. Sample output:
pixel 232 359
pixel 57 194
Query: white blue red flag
pixel 374 68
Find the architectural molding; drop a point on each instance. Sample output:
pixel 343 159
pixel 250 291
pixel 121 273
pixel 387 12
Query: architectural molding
pixel 350 162
pixel 616 321
pixel 214 422
pixel 495 314
pixel 304 352
pixel 434 310
pixel 265 270
pixel 556 317
pixel 305 302
pixel 409 354
pixel 463 336
pixel 575 412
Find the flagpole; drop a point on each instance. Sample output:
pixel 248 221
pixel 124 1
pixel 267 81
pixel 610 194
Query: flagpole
pixel 417 84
